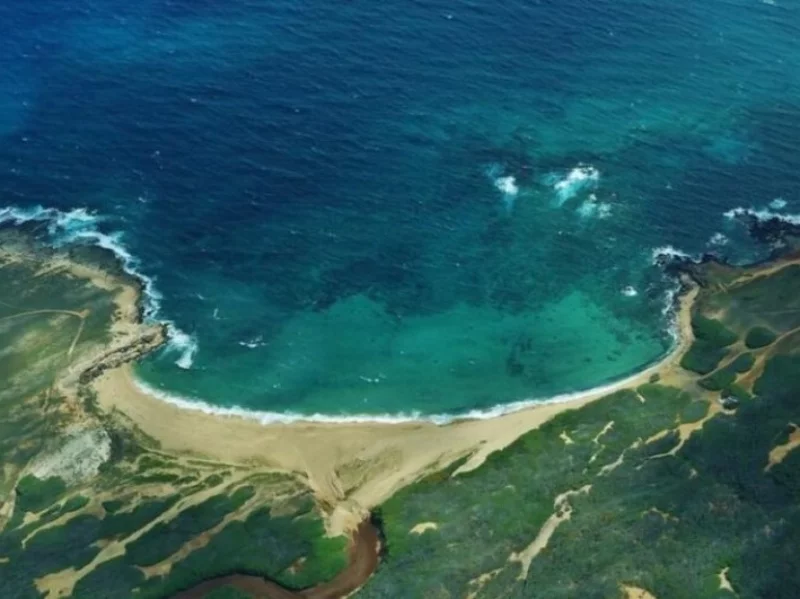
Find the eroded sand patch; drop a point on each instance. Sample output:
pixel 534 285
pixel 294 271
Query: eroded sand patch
pixel 724 583
pixel 632 592
pixel 779 452
pixel 77 458
pixel 562 513
pixel 423 527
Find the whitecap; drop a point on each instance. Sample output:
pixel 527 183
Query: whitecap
pixel 580 178
pixel 253 343
pixel 667 252
pixel 763 215
pixel 507 185
pixel 592 208
pixel 778 204
pixel 185 345
pixel 629 291
pixel 718 239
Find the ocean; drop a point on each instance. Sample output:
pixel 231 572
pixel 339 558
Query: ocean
pixel 410 208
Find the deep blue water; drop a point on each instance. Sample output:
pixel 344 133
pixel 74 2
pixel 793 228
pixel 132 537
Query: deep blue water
pixel 381 207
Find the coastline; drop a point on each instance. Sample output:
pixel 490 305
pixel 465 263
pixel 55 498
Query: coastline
pixel 352 464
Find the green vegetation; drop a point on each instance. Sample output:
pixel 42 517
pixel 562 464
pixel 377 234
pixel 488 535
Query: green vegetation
pixel 228 592
pixel 34 495
pixel 703 358
pixel 718 381
pixel 662 515
pixel 759 337
pixel 652 490
pixel 694 411
pixel 112 505
pixel 165 539
pixel 709 348
pixel 259 543
pixel 73 504
pixel 725 377
pixel 712 331
pixel 742 363
pixel 156 505
pixel 486 515
pixel 737 391
pixel 241 546
pixel 666 524
pixel 123 524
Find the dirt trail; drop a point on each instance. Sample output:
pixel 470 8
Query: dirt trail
pixel 363 559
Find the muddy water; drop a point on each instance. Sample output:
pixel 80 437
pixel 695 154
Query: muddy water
pixel 363 559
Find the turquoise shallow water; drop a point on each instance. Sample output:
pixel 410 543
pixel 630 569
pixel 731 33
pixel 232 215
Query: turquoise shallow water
pixel 431 207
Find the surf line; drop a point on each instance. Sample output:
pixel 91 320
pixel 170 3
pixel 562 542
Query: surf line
pixel 682 339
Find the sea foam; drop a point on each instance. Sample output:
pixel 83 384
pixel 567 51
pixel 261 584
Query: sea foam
pixel 580 178
pixel 763 215
pixel 79 226
pixel 505 184
pixel 666 253
pixel 778 204
pixel 269 417
pixel 185 345
pixel 592 208
pixel 718 240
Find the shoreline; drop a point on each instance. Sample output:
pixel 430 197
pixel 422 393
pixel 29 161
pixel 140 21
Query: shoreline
pixel 269 418
pixel 354 464
pixel 351 464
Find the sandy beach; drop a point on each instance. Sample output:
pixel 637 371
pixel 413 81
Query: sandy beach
pixel 351 466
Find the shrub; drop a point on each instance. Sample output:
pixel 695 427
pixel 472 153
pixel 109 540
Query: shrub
pixel 702 358
pixel 34 494
pixel 742 363
pixel 74 504
pixel 695 411
pixel 737 391
pixel 718 381
pixel 112 505
pixel 712 331
pixel 759 337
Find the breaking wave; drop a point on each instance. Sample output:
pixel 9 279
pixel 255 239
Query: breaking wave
pixel 505 184
pixel 665 253
pixel 580 178
pixel 268 417
pixel 718 240
pixel 592 208
pixel 763 215
pixel 79 226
